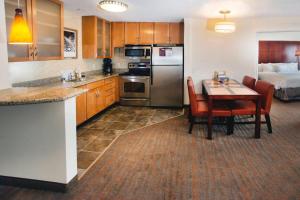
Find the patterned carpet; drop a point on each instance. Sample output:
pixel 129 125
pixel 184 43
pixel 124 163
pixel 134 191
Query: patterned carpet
pixel 164 162
pixel 96 136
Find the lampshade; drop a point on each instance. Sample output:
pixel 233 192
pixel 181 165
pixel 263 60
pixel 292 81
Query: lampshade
pixel 225 27
pixel 297 53
pixel 112 6
pixel 19 31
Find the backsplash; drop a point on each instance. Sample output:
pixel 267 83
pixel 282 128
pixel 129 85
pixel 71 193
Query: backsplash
pixel 119 60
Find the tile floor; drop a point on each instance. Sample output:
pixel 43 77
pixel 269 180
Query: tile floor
pixel 94 137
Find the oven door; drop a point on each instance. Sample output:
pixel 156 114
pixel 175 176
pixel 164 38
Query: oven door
pixel 135 87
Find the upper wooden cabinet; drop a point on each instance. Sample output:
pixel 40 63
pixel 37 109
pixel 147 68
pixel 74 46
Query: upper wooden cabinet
pixel 118 34
pixel 132 32
pixel 139 33
pixel 146 33
pixel 161 33
pixel 176 33
pixel 168 33
pixel 96 37
pixel 45 18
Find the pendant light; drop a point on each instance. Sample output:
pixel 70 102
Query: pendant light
pixel 112 6
pixel 225 26
pixel 19 31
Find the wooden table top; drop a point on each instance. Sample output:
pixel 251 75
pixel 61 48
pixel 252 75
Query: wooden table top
pixel 231 88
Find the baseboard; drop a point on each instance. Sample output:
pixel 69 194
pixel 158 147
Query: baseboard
pixel 36 184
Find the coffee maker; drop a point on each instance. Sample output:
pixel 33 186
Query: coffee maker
pixel 107 66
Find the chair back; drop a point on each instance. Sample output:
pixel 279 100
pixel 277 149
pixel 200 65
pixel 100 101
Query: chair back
pixel 266 90
pixel 192 94
pixel 249 82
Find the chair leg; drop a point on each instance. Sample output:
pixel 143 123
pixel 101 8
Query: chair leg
pixel 192 121
pixel 268 120
pixel 228 123
pixel 190 114
pixel 230 128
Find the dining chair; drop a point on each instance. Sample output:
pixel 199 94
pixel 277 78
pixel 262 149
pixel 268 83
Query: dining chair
pixel 249 82
pixel 199 108
pixel 249 108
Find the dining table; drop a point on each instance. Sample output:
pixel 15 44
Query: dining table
pixel 229 92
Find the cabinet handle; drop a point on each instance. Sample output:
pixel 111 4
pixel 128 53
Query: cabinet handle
pixel 36 52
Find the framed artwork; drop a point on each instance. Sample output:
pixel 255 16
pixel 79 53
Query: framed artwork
pixel 70 43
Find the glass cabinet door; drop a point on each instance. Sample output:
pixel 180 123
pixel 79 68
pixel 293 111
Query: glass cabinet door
pixel 17 52
pixel 48 28
pixel 107 39
pixel 100 34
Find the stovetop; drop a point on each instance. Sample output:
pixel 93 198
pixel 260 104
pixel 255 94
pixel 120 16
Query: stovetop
pixel 133 74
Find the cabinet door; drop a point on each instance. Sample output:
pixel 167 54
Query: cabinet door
pixel 48 30
pixel 146 33
pixel 176 33
pixel 89 37
pixel 100 99
pixel 132 31
pixel 107 39
pixel 161 33
pixel 91 107
pixel 18 52
pixel 100 38
pixel 118 34
pixel 81 108
pixel 117 89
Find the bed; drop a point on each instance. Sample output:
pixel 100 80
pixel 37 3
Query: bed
pixel 285 77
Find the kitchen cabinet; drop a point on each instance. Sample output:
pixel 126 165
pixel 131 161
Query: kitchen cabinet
pixel 168 33
pixel 176 33
pixel 132 33
pixel 81 114
pixel 45 19
pixel 161 33
pixel 96 37
pixel 146 33
pixel 101 94
pixel 118 34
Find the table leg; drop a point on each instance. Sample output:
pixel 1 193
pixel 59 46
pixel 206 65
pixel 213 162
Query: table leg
pixel 209 119
pixel 258 117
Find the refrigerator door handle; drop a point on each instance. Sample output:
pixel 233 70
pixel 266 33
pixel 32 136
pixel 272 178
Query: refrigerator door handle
pixel 151 75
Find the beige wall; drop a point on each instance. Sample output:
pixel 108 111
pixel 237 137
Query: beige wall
pixel 236 53
pixel 26 71
pixel 4 73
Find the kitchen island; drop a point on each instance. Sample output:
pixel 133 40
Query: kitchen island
pixel 38 136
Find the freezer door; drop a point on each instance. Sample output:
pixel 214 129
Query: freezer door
pixel 167 56
pixel 167 87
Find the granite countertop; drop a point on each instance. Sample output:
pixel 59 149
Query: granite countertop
pixel 34 93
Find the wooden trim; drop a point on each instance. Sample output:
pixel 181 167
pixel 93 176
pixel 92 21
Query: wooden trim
pixel 62 19
pixel 37 184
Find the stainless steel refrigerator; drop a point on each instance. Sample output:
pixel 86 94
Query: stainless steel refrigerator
pixel 167 76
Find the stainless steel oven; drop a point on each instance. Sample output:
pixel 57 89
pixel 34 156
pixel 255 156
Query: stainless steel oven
pixel 138 51
pixel 135 90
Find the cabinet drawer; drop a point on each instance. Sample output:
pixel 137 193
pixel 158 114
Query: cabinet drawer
pixel 110 86
pixel 109 81
pixel 94 85
pixel 109 100
pixel 110 92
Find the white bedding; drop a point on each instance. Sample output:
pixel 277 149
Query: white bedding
pixel 281 80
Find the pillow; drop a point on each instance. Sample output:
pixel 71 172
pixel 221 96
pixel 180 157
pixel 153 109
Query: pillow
pixel 268 67
pixel 260 68
pixel 286 67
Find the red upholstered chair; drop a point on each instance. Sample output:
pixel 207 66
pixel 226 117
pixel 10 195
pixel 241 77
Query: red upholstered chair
pixel 249 82
pixel 200 108
pixel 249 108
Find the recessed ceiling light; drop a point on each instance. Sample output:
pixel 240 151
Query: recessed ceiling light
pixel 112 6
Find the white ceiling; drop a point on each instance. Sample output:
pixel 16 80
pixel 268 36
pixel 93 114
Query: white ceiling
pixel 176 10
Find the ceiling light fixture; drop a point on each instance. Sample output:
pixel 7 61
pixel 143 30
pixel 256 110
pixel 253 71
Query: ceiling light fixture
pixel 112 6
pixel 19 31
pixel 225 26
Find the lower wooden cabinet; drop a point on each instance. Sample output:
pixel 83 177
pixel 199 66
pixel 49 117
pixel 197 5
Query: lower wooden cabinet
pixel 101 95
pixel 81 115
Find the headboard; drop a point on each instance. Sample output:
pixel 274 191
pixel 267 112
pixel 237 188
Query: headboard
pixel 278 51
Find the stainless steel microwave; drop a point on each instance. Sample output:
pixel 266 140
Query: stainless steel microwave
pixel 138 51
